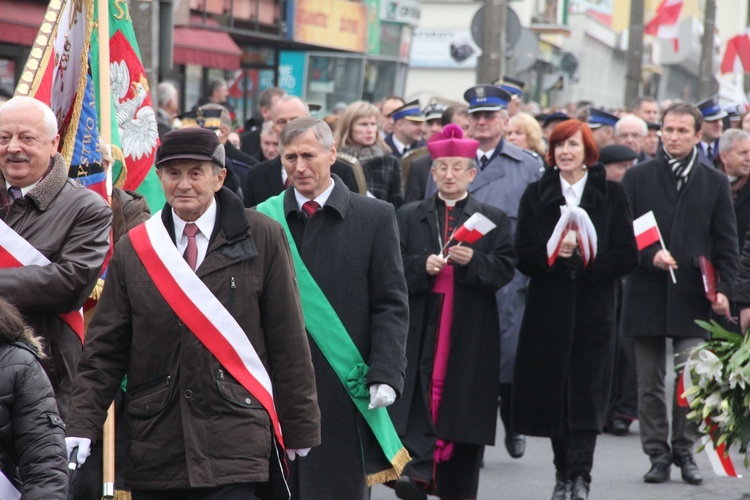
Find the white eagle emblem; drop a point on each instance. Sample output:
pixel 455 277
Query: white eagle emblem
pixel 137 123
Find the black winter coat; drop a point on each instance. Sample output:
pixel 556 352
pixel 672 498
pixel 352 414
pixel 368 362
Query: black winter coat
pixel 566 347
pixel 32 434
pixel 699 220
pixel 468 408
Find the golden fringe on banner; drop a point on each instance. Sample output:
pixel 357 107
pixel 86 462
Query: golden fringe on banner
pixel 399 462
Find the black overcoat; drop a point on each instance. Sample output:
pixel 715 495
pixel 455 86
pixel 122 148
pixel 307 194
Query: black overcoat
pixel 566 347
pixel 351 249
pixel 468 409
pixel 699 220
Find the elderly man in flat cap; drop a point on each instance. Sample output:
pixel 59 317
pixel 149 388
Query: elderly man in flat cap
pixel 201 311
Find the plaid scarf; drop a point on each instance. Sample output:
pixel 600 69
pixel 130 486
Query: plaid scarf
pixel 681 168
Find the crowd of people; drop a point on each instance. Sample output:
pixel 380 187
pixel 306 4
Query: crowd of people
pixel 326 304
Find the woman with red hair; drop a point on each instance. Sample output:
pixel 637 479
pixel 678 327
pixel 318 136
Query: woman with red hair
pixel 574 239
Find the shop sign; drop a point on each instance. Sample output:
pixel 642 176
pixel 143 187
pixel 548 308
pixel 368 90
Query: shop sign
pixel 338 24
pixel 373 23
pixel 401 11
pixel 292 72
pixel 443 48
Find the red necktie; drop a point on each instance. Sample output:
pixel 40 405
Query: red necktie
pixel 191 251
pixel 310 207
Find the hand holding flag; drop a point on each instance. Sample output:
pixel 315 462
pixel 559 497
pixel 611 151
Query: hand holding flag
pixel 646 234
pixel 470 231
pixel 573 219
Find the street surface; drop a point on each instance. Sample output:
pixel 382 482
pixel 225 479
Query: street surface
pixel 619 465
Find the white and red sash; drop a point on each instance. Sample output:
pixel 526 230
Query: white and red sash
pixel 202 313
pixel 17 252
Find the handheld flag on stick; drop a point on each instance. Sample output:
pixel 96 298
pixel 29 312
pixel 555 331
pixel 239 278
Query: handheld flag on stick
pixel 470 231
pixel 647 233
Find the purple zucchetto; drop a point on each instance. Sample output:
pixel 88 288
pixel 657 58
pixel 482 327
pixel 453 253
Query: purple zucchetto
pixel 451 142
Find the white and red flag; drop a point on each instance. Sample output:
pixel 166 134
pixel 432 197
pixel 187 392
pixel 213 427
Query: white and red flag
pixel 573 219
pixel 737 54
pixel 470 231
pixel 646 230
pixel 665 22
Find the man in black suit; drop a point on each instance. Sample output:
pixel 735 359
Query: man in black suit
pixel 250 138
pixel 734 160
pixel 691 203
pixel 269 178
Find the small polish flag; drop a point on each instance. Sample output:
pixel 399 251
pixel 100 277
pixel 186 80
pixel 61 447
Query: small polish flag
pixel 477 226
pixel 646 230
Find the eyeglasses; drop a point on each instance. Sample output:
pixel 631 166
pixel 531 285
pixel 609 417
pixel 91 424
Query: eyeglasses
pixel 443 169
pixel 28 140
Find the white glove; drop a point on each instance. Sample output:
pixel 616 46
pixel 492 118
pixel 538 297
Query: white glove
pixel 83 445
pixel 294 452
pixel 381 395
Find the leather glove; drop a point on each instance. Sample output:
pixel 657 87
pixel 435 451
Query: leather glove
pixel 83 445
pixel 381 395
pixel 295 452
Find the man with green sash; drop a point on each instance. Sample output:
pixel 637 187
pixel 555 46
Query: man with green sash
pixel 347 258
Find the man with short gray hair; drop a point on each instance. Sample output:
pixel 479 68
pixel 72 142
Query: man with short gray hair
pixel 631 131
pixel 350 275
pixel 734 155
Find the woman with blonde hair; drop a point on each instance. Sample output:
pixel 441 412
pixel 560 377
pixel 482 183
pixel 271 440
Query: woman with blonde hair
pixel 525 132
pixel 357 135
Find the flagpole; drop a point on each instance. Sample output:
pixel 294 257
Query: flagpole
pixel 105 112
pixel 105 126
pixel 664 247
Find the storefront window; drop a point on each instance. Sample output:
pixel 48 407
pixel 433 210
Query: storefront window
pixel 7 74
pixel 333 79
pixel 380 78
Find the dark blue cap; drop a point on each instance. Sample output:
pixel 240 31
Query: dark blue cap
pixel 512 86
pixel 599 118
pixel 557 116
pixel 409 111
pixel 486 98
pixel 710 109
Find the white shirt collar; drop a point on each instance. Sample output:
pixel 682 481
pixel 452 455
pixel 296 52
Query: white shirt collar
pixel 205 222
pixel 26 189
pixel 399 145
pixel 488 153
pixel 322 198
pixel 573 192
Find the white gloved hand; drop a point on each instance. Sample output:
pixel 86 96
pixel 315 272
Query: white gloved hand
pixel 83 445
pixel 381 395
pixel 295 452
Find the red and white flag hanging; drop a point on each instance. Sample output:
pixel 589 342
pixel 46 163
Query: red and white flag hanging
pixel 646 230
pixel 665 22
pixel 477 226
pixel 737 51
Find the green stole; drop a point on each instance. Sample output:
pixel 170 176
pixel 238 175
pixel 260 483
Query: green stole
pixel 330 335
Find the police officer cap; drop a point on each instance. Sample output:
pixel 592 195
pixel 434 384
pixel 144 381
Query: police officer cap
pixel 710 109
pixel 486 98
pixel 600 118
pixel 409 111
pixel 557 116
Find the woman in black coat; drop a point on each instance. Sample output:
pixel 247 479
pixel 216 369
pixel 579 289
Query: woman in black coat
pixel 32 434
pixel 566 347
pixel 357 135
